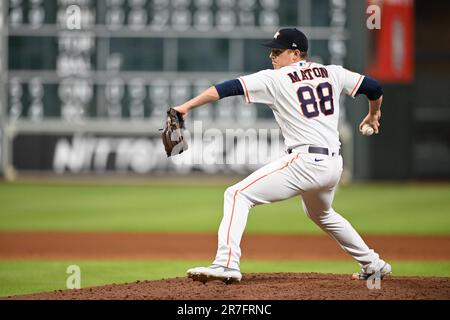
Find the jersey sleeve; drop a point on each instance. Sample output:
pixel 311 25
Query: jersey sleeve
pixel 259 87
pixel 349 81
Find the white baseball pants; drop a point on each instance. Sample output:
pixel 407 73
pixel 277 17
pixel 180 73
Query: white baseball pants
pixel 314 177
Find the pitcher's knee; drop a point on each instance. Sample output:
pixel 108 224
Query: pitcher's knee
pixel 312 213
pixel 328 218
pixel 234 193
pixel 230 192
pixel 320 217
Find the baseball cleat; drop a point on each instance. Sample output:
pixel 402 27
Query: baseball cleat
pixel 363 275
pixel 215 272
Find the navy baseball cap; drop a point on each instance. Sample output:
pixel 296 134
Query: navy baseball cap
pixel 288 38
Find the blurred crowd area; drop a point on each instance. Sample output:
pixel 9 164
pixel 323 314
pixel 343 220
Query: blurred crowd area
pixel 85 84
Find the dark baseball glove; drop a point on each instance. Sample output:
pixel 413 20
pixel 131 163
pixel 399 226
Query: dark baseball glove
pixel 172 133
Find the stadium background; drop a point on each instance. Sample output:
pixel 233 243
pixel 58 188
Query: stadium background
pixel 80 110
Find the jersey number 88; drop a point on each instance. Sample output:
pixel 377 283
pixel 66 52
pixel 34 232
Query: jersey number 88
pixel 325 100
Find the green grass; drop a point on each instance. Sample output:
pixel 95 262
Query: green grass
pixel 371 208
pixel 21 277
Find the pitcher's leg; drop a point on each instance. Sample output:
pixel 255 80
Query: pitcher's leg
pixel 235 212
pixel 317 205
pixel 271 183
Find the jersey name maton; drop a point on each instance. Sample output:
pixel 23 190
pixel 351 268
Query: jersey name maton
pixel 308 74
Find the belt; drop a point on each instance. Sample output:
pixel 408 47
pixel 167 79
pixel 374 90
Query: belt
pixel 311 149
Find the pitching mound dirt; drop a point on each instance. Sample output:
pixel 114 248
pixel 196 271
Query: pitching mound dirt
pixel 266 286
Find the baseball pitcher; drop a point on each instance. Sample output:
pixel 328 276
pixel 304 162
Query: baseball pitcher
pixel 304 98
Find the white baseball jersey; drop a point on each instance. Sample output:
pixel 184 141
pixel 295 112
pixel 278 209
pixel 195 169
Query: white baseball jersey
pixel 304 98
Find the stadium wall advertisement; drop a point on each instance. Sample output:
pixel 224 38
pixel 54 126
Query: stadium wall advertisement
pixel 237 151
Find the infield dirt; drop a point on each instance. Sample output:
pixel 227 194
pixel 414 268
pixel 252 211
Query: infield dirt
pixel 110 245
pixel 269 286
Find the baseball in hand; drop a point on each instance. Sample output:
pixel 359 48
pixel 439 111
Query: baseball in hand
pixel 367 130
